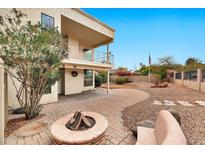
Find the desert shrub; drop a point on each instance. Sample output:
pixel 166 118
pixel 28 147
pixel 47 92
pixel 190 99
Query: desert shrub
pixel 122 80
pixel 35 53
pixel 103 75
pixel 157 79
pixel 127 80
pixel 98 80
pixel 154 69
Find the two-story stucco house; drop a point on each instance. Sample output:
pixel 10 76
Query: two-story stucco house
pixel 84 34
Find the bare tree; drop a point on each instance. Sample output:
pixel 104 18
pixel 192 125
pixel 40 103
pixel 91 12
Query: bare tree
pixel 167 61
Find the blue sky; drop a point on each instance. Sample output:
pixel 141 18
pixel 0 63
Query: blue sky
pixel 162 32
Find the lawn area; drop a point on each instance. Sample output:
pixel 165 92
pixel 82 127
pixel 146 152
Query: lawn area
pixel 192 117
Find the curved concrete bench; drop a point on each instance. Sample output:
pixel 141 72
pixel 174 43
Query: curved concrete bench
pixel 166 131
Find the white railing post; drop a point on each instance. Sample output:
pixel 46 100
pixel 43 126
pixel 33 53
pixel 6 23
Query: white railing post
pixel 94 78
pixel 199 78
pixel 2 108
pixel 93 55
pixel 108 54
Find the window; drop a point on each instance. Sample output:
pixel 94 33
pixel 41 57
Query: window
pixel 88 77
pixel 47 21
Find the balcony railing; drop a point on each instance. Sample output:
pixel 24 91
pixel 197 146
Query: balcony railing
pixel 99 57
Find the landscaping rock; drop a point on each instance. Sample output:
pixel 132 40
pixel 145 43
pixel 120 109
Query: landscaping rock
pixel 192 118
pixel 146 123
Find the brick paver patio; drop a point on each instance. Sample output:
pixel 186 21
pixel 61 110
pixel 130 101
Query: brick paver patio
pixel 109 105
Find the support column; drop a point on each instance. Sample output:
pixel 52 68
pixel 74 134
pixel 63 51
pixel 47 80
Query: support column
pixel 108 54
pixel 94 78
pixel 174 77
pixel 182 78
pixel 199 79
pixel 2 119
pixel 108 80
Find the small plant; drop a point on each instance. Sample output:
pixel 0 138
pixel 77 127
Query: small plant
pixel 19 110
pixel 98 80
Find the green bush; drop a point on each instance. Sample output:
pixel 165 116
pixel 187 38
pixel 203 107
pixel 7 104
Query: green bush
pixel 127 80
pixel 154 69
pixel 122 80
pixel 103 76
pixel 98 80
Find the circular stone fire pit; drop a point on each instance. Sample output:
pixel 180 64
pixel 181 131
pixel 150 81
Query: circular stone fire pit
pixel 94 135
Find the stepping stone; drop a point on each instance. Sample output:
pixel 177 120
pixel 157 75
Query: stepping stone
pixel 157 102
pixel 200 103
pixel 169 103
pixel 184 103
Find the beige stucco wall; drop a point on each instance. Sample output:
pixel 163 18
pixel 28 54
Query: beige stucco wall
pixel 197 84
pixel 47 98
pixel 202 86
pixel 144 78
pixel 12 100
pixel 191 84
pixel 75 47
pixel 177 81
pixel 34 14
pixel 75 85
pixel 52 97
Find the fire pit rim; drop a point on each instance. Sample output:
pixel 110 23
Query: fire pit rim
pixel 66 136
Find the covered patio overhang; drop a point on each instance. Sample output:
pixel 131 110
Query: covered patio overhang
pixel 91 34
pixel 83 64
pixel 75 65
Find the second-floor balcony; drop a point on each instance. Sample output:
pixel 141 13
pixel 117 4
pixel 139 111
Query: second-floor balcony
pixel 83 37
pixel 92 58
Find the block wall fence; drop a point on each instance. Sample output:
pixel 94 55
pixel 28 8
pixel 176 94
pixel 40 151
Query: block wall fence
pixel 198 83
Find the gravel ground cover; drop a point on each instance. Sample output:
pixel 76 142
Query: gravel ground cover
pixel 192 117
